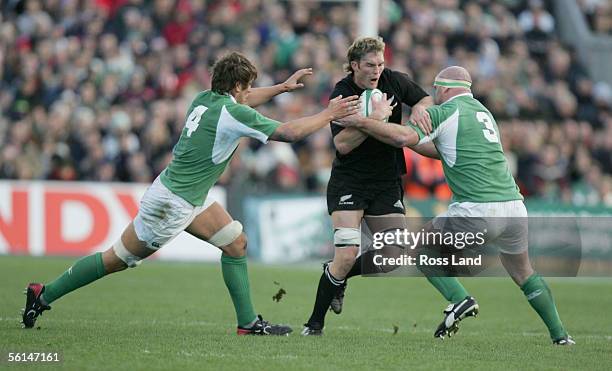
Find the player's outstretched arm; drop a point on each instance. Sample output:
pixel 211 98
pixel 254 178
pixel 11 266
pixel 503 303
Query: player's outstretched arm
pixel 395 135
pixel 426 149
pixel 295 130
pixel 351 137
pixel 258 96
pixel 374 125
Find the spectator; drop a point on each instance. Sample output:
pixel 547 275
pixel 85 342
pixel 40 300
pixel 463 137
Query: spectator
pixel 97 90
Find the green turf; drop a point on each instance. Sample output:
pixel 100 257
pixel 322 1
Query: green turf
pixel 179 316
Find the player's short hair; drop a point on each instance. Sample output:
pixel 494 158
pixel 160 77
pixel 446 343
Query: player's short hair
pixel 231 69
pixel 361 47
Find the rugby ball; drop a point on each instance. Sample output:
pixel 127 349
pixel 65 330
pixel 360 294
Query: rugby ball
pixel 366 99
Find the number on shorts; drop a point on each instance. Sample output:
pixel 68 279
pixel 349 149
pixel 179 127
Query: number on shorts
pixel 489 131
pixel 193 121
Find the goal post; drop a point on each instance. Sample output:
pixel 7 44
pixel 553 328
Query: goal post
pixel 368 17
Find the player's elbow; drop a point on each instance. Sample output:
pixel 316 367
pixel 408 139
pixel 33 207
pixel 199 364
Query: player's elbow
pixel 342 147
pixel 285 133
pixel 406 139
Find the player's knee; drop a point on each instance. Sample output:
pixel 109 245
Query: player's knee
pixel 226 235
pixel 230 239
pixel 347 237
pixel 237 248
pixel 121 258
pixel 111 262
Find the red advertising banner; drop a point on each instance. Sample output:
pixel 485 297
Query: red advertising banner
pixel 78 218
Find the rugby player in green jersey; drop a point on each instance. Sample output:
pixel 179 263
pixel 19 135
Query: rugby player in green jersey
pixel 466 139
pixel 177 200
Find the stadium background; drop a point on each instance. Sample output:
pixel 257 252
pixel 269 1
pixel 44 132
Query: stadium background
pixel 96 91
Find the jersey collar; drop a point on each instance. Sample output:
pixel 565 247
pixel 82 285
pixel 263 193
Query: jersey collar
pixel 226 95
pixel 460 95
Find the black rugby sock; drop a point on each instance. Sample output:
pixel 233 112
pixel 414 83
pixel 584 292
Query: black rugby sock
pixel 328 286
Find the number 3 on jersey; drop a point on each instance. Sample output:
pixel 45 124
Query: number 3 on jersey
pixel 489 131
pixel 193 121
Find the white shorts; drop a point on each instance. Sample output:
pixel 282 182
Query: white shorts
pixel 505 222
pixel 163 215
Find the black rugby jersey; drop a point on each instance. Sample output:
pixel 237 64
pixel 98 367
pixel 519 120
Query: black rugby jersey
pixel 374 160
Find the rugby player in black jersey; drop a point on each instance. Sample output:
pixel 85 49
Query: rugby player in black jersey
pixel 366 174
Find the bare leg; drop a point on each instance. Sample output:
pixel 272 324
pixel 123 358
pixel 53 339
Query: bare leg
pixel 130 240
pixel 233 261
pixel 518 266
pixel 344 257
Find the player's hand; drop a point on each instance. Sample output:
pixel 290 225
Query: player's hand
pixel 382 109
pixel 341 107
pixel 420 117
pixel 293 83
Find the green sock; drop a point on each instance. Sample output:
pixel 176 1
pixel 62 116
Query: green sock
pixel 236 277
pixel 449 287
pixel 540 298
pixel 81 273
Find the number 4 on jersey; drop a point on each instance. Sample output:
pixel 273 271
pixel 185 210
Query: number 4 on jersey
pixel 193 121
pixel 489 131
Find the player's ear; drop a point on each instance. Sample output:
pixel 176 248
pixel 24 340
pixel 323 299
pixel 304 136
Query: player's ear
pixel 354 65
pixel 238 88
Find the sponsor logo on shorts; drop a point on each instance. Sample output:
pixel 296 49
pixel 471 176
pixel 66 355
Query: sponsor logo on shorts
pixel 155 244
pixel 344 200
pixel 399 204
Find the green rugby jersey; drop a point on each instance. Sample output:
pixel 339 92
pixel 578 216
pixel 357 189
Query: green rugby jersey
pixel 215 123
pixel 467 138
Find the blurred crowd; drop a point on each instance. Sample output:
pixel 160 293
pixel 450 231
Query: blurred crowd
pixel 598 14
pixel 97 90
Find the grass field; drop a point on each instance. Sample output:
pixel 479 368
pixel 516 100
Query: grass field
pixel 179 316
